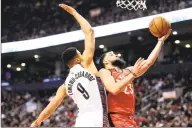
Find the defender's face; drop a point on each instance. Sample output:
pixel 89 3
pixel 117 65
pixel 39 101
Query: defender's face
pixel 79 57
pixel 111 57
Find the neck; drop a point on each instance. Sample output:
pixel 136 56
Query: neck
pixel 111 67
pixel 71 65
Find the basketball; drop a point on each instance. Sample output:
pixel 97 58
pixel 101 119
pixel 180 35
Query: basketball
pixel 159 26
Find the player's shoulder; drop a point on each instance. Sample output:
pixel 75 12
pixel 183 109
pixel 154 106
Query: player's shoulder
pixel 104 71
pixel 63 86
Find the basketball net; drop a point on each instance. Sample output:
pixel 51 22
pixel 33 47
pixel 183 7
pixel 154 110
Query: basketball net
pixel 132 4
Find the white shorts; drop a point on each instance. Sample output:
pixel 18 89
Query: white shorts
pixel 90 119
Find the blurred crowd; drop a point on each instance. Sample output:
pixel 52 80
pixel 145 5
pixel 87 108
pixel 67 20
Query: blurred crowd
pixel 171 113
pixel 24 19
pixel 39 76
pixel 20 110
pixel 152 108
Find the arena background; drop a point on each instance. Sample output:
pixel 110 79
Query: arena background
pixel 30 77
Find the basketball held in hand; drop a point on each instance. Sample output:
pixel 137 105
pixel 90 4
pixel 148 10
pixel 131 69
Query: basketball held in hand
pixel 159 26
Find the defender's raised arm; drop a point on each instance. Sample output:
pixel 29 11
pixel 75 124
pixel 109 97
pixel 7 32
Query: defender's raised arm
pixel 89 34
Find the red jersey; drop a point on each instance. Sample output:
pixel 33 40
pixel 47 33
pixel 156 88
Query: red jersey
pixel 123 102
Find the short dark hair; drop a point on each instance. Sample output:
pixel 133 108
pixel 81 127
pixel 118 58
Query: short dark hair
pixel 68 54
pixel 101 64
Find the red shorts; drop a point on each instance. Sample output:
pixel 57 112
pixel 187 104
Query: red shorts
pixel 122 120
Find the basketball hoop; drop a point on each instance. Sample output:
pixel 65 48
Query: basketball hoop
pixel 132 4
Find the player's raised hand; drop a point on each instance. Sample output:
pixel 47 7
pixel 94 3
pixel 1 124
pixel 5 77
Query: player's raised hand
pixel 69 9
pixel 166 36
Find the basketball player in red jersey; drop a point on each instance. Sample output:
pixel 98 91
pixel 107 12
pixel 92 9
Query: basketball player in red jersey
pixel 121 99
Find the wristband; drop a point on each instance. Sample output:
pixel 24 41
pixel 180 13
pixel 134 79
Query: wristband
pixel 161 40
pixel 132 73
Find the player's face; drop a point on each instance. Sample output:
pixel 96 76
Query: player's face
pixel 114 59
pixel 111 57
pixel 79 57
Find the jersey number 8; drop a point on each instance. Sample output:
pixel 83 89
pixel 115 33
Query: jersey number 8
pixel 82 90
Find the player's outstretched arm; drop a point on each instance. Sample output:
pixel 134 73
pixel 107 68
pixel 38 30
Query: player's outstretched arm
pixel 55 102
pixel 154 54
pixel 87 30
pixel 116 87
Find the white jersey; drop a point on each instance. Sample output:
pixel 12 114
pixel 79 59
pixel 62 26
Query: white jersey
pixel 82 86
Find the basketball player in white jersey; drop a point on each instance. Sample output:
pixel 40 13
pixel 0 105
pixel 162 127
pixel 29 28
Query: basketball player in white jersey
pixel 81 83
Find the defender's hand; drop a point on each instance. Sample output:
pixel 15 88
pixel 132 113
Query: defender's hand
pixel 166 36
pixel 35 124
pixel 68 8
